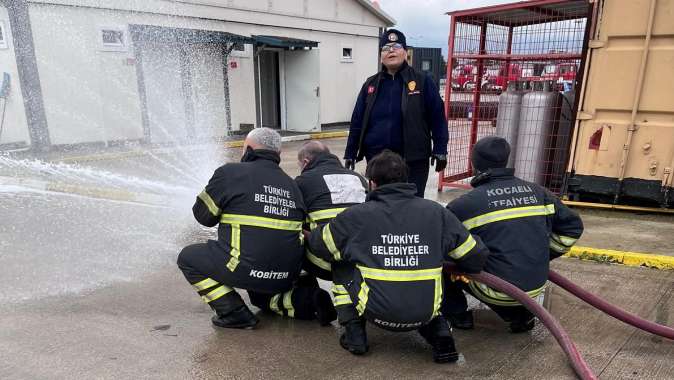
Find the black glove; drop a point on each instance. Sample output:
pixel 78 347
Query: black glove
pixel 350 163
pixel 440 161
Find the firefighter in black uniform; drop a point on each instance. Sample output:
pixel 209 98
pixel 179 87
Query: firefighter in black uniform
pixel 328 189
pixel 523 225
pixel 259 246
pixel 401 110
pixel 395 245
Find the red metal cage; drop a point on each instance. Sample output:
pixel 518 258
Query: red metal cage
pixel 512 72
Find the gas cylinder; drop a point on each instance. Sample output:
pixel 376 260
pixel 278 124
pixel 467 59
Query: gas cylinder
pixel 537 119
pixel 508 118
pixel 562 139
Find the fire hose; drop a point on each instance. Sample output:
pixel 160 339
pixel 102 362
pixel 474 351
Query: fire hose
pixel 614 311
pixel 577 362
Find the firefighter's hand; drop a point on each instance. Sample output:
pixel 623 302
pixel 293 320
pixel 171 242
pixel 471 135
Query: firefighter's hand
pixel 350 163
pixel 459 277
pixel 440 161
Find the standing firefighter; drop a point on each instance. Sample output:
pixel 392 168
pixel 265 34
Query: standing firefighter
pixel 259 246
pixel 401 110
pixel 328 189
pixel 524 227
pixel 395 245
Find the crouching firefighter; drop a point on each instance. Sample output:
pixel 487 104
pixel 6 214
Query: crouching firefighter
pixel 328 189
pixel 523 225
pixel 394 246
pixel 259 246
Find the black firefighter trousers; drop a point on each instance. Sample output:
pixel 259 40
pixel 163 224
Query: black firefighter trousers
pixel 216 288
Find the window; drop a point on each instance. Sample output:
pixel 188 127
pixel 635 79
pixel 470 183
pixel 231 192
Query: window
pixel 347 54
pixel 3 36
pixel 425 65
pixel 112 38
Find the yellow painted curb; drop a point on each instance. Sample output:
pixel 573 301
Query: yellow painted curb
pixel 632 259
pixel 329 135
pixel 619 207
pixel 233 144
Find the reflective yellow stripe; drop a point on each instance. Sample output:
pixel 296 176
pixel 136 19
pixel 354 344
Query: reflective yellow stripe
pixel 204 284
pixel 464 248
pixel 288 303
pixel 555 246
pixel 258 221
pixel 317 261
pixel 489 295
pixel 342 300
pixel 513 213
pixel 438 298
pixel 325 214
pixel 208 201
pixel 400 275
pixel 330 244
pixel 235 252
pixel 564 240
pixel 339 289
pixel 216 293
pixel 362 298
pixel 273 304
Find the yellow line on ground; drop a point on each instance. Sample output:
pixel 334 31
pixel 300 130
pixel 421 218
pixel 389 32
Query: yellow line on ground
pixel 619 207
pixel 632 259
pixel 329 135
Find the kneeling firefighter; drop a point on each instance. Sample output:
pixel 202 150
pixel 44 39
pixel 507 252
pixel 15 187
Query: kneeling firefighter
pixel 259 246
pixel 395 245
pixel 523 225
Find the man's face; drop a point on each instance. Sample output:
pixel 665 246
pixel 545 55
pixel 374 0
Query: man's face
pixel 393 55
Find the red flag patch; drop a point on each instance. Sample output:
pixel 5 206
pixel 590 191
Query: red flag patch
pixel 370 90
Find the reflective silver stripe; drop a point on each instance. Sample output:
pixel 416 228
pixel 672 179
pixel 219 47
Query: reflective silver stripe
pixel 555 246
pixel 208 201
pixel 362 298
pixel 216 293
pixel 512 213
pixel 464 248
pixel 235 245
pixel 259 221
pixel 273 304
pixel 342 300
pixel 317 261
pixel 288 303
pixel 205 284
pixel 489 295
pixel 400 275
pixel 564 240
pixel 330 243
pixel 325 214
pixel 339 289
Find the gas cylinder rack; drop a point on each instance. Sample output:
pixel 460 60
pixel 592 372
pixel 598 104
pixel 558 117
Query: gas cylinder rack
pixel 513 72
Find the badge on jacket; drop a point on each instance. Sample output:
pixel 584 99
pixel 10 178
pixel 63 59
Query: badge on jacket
pixel 412 85
pixel 370 90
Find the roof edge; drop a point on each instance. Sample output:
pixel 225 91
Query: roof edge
pixel 378 12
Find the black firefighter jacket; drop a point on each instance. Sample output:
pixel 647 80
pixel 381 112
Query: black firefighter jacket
pixel 260 211
pixel 397 244
pixel 328 189
pixel 523 225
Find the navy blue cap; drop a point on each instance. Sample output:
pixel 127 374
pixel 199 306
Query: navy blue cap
pixel 392 36
pixel 490 152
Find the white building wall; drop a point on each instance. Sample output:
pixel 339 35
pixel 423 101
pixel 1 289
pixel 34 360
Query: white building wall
pixel 14 127
pixel 92 95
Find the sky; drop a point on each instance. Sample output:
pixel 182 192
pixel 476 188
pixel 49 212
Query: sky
pixel 425 23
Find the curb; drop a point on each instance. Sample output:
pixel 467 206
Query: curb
pixel 308 136
pixel 631 259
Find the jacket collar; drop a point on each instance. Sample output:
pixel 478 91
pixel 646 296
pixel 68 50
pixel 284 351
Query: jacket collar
pixel 393 191
pixel 261 155
pixel 404 67
pixel 321 159
pixel 494 174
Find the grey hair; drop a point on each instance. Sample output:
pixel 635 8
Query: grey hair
pixel 311 149
pixel 267 137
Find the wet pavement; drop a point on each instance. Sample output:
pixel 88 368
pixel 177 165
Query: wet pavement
pixel 91 290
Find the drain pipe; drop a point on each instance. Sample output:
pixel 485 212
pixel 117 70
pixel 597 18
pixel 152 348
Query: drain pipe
pixel 577 362
pixel 614 311
pixel 635 105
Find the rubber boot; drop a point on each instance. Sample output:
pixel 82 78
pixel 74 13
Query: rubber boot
pixel 239 318
pixel 522 325
pixel 354 338
pixel 439 335
pixel 324 309
pixel 462 320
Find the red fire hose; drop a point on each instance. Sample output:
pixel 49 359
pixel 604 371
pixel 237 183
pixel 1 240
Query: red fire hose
pixel 615 312
pixel 577 362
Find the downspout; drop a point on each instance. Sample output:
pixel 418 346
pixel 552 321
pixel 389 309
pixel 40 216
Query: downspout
pixel 29 77
pixel 225 78
pixel 635 105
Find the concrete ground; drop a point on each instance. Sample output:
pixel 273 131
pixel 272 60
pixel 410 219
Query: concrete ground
pixel 90 290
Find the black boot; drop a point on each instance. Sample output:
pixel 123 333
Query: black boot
pixel 325 310
pixel 239 318
pixel 354 338
pixel 438 334
pixel 522 325
pixel 462 320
